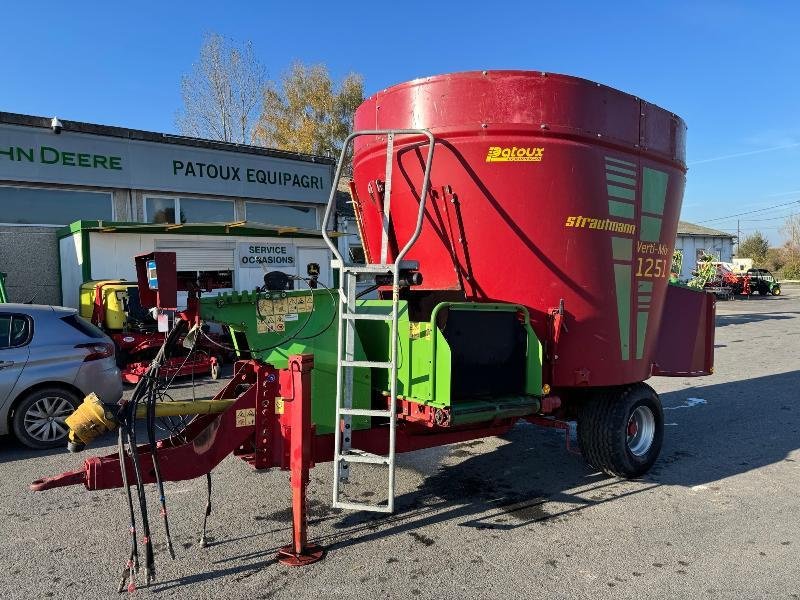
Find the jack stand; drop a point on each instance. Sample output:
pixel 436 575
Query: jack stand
pixel 300 553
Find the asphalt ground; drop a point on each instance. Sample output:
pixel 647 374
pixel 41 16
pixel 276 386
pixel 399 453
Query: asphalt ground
pixel 512 517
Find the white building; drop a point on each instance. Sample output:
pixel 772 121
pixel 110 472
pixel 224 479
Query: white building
pixel 695 240
pixel 77 201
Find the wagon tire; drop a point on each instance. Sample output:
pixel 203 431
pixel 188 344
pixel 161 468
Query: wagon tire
pixel 38 418
pixel 621 429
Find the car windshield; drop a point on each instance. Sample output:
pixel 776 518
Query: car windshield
pixel 84 326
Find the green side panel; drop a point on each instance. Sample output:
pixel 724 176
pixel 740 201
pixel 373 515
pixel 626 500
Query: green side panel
pixel 622 248
pixel 620 179
pixel 651 228
pixel 622 279
pixel 615 169
pixel 620 209
pixel 654 190
pixel 621 192
pixel 480 411
pixel 641 332
pixel 619 161
pixel 424 355
pixel 306 332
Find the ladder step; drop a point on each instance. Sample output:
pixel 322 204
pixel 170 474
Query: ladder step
pixel 364 412
pixel 359 456
pixel 366 316
pixel 362 506
pixel 375 268
pixel 372 364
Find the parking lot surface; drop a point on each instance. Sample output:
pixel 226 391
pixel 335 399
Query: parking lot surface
pixel 512 517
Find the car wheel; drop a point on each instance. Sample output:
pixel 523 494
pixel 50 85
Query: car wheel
pixel 38 420
pixel 776 291
pixel 620 430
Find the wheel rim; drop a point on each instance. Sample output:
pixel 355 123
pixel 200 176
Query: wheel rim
pixel 44 420
pixel 641 431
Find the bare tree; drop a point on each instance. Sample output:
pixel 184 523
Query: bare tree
pixel 222 92
pixel 791 232
pixel 309 113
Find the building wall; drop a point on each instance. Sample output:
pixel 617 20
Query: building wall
pixel 693 245
pixel 111 257
pixel 29 255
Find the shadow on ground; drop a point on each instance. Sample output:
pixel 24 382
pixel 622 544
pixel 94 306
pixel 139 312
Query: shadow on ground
pixel 744 425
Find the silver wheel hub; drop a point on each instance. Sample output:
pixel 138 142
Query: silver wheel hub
pixel 44 420
pixel 641 430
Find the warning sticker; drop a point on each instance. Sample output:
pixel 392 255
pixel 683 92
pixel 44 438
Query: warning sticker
pixel 278 405
pixel 291 317
pixel 270 324
pixel 265 307
pixel 245 417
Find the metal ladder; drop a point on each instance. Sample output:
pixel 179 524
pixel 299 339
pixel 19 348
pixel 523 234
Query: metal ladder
pixel 344 453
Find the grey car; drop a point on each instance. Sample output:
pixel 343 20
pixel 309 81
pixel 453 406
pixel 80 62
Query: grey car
pixel 50 358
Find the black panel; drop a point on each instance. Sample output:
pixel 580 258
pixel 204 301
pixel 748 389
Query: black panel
pixel 488 352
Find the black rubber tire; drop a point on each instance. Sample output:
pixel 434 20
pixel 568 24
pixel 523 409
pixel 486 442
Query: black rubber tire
pixel 603 429
pixel 22 407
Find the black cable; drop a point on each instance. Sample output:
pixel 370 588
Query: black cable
pixel 133 558
pixel 203 541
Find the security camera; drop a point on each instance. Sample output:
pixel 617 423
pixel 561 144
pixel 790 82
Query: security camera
pixel 56 125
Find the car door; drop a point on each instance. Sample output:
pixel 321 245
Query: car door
pixel 15 335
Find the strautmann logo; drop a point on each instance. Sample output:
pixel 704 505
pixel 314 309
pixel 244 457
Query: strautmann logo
pixel 514 154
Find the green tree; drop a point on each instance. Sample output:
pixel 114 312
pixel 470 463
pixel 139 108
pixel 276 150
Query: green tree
pixel 754 246
pixel 308 112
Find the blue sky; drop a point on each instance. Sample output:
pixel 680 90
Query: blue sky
pixel 730 69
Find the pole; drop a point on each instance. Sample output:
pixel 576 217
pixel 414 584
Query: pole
pixel 300 552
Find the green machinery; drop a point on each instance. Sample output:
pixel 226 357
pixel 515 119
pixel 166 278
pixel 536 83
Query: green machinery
pixel 464 363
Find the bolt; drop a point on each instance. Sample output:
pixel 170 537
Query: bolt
pixel 544 126
pixel 484 125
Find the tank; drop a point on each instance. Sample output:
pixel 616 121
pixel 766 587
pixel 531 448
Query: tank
pixel 114 293
pixel 546 190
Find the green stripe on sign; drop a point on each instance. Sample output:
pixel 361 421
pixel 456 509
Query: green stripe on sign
pixel 622 170
pixel 622 279
pixel 620 179
pixel 621 192
pixel 645 286
pixel 622 248
pixel 654 190
pixel 619 161
pixel 620 209
pixel 641 333
pixel 644 298
pixel 651 229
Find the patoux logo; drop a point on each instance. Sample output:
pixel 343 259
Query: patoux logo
pixel 514 154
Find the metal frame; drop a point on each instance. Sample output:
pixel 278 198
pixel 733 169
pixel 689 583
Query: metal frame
pixel 343 450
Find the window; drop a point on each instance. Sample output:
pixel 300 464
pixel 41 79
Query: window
pixel 39 206
pixel 84 326
pixel 159 210
pixel 15 331
pixel 195 210
pixel 190 210
pixel 282 214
